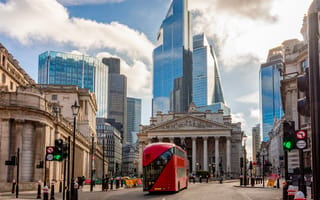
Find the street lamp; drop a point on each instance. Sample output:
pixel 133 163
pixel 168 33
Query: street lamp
pixel 75 110
pixel 92 159
pixel 245 159
pixel 263 165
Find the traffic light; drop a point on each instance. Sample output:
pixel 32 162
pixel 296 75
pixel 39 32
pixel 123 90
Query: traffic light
pixel 58 150
pixel 12 161
pixel 40 165
pixel 65 150
pixel 289 136
pixel 303 103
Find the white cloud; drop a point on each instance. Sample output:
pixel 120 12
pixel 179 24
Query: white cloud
pixel 81 2
pixel 239 117
pixel 46 20
pixel 255 113
pixel 252 98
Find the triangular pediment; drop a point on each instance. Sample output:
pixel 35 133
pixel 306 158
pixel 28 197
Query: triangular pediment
pixel 190 123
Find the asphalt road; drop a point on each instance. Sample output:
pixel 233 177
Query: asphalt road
pixel 203 191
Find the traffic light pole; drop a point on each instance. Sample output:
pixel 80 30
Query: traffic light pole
pixel 302 183
pixel 45 173
pixel 314 83
pixel 18 164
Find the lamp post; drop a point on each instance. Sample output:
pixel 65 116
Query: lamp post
pixel 75 110
pixel 92 158
pixel 103 176
pixel 263 165
pixel 245 159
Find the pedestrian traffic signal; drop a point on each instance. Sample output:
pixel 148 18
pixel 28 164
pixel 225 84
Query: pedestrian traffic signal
pixel 303 103
pixel 58 150
pixel 289 136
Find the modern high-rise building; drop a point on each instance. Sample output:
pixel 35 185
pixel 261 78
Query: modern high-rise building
pixel 270 96
pixel 256 141
pixel 117 95
pixel 58 68
pixel 206 88
pixel 133 119
pixel 172 61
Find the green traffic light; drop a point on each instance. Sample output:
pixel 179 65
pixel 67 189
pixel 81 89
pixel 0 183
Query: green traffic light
pixel 57 157
pixel 287 145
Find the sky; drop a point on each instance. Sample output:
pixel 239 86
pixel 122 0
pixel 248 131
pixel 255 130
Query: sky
pixel 241 31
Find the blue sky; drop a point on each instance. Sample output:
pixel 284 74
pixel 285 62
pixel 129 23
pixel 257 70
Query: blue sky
pixel 242 32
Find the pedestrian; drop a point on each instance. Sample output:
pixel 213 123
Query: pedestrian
pixel 107 182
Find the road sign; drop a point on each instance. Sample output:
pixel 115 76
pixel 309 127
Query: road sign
pixel 49 157
pixel 301 144
pixel 301 134
pixel 50 149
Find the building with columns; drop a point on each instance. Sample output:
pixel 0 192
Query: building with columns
pixel 32 117
pixel 211 140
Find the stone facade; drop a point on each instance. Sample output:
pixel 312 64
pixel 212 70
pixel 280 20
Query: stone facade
pixel 29 123
pixel 209 138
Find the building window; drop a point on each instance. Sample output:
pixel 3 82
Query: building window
pixel 54 97
pixel 3 60
pixel 11 85
pixel 303 65
pixel 3 78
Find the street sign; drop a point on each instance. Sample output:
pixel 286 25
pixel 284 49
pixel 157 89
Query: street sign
pixel 49 157
pixel 301 144
pixel 50 149
pixel 301 134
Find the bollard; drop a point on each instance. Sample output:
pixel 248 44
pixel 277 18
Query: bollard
pixel 252 181
pixel 13 185
pixel 291 192
pixel 75 189
pixel 299 196
pixel 194 179
pixel 241 180
pixel 117 183
pixel 39 190
pixel 60 187
pixel 111 184
pixel 45 192
pixel 52 191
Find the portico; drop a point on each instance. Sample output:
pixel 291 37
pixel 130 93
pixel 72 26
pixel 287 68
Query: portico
pixel 209 144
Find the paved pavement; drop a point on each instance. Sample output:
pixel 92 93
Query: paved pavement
pixel 85 191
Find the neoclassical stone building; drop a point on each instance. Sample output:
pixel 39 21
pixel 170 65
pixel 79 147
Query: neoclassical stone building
pixel 210 139
pixel 32 117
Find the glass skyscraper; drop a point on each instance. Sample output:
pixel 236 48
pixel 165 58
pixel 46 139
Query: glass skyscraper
pixel 133 119
pixel 117 95
pixel 205 75
pixel 172 61
pixel 270 96
pixel 60 68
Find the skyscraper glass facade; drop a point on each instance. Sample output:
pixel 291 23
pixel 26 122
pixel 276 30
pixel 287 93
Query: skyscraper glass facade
pixel 172 59
pixel 271 105
pixel 133 119
pixel 88 72
pixel 205 75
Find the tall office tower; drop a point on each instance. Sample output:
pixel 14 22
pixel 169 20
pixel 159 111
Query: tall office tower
pixel 270 96
pixel 172 61
pixel 256 141
pixel 117 95
pixel 88 72
pixel 133 119
pixel 206 87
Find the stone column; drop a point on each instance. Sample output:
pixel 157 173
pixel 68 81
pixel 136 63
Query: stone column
pixel 140 158
pixel 194 159
pixel 4 148
pixel 205 153
pixel 217 155
pixel 27 153
pixel 228 156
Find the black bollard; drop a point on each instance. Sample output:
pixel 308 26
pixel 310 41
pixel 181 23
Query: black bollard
pixel 52 191
pixel 39 190
pixel 200 179
pixel 75 188
pixel 111 184
pixel 117 183
pixel 60 187
pixel 45 193
pixel 13 186
pixel 241 181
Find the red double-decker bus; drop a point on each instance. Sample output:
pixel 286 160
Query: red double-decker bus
pixel 165 168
